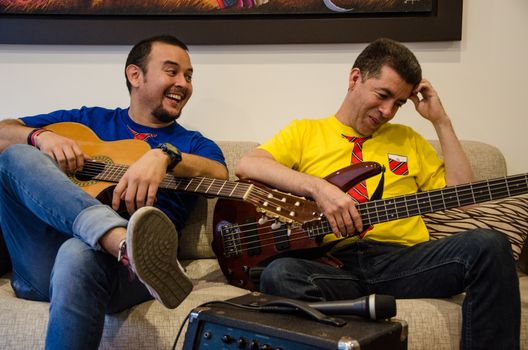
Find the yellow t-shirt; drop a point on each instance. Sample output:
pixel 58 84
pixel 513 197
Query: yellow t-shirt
pixel 318 148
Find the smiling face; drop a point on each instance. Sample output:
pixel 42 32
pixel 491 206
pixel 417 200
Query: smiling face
pixel 162 89
pixel 374 101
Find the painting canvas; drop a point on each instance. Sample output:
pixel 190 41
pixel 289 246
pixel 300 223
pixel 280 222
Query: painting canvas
pixel 205 22
pixel 213 7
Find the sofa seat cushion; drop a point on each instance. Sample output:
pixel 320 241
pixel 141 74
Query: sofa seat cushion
pixel 145 326
pixel 433 323
pixel 439 321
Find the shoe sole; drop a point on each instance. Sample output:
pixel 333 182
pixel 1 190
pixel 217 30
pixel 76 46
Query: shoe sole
pixel 152 247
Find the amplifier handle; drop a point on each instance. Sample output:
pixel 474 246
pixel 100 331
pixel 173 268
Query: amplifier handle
pixel 290 305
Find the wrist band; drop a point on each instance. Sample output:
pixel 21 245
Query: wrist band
pixel 33 134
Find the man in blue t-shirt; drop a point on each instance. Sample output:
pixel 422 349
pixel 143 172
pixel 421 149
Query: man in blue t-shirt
pixel 70 249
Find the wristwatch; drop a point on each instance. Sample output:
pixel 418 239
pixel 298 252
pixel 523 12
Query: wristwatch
pixel 174 154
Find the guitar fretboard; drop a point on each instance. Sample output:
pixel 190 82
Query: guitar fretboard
pixel 442 199
pixel 221 188
pixel 420 203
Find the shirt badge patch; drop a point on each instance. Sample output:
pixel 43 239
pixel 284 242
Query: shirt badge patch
pixel 143 136
pixel 398 164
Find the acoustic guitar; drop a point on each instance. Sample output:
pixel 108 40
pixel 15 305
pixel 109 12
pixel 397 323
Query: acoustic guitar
pixel 111 159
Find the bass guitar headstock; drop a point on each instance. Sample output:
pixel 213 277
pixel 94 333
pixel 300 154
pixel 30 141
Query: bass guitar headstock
pixel 285 207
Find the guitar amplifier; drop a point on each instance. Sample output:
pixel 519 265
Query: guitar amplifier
pixel 221 326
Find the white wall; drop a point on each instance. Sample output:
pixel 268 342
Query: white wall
pixel 249 92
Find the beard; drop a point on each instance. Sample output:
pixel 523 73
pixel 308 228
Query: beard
pixel 164 116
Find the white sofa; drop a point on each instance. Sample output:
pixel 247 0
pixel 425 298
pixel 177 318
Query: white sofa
pixel 433 323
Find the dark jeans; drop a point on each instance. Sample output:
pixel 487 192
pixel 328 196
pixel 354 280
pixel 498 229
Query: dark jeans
pixel 477 262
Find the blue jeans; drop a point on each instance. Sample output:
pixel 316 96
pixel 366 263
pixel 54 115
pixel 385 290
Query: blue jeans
pixel 51 228
pixel 477 262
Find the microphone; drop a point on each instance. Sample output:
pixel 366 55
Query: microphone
pixel 374 306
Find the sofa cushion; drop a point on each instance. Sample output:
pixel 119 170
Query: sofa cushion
pixel 509 216
pixel 487 161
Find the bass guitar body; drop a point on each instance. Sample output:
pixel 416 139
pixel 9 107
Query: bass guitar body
pixel 244 239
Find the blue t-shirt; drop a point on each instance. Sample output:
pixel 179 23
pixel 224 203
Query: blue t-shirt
pixel 115 124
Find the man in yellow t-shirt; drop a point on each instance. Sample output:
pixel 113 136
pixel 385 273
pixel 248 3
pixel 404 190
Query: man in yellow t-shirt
pixel 396 257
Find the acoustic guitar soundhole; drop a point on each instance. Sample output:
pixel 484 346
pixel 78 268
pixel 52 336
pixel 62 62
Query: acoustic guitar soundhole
pixel 90 170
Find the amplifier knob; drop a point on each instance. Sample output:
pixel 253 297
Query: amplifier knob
pixel 227 339
pixel 254 345
pixel 241 343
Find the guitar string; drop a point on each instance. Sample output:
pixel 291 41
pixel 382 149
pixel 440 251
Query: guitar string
pixel 121 168
pixel 94 169
pixel 290 237
pixel 414 209
pixel 430 194
pixel 386 216
pixel 269 236
pixel 215 185
pixel 235 241
pixel 97 167
pixel 388 202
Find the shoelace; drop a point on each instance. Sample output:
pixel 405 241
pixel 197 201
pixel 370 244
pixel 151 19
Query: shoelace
pixel 122 257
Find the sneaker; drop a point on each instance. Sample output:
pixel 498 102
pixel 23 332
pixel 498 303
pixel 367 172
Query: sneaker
pixel 152 246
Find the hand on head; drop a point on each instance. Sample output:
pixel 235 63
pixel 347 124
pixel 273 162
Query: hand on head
pixel 427 102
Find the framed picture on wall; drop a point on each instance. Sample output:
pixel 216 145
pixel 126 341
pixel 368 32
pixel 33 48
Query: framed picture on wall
pixel 205 22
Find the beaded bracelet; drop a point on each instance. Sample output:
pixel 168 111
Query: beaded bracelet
pixel 33 134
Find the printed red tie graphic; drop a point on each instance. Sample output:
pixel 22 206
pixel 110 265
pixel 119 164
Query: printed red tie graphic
pixel 358 192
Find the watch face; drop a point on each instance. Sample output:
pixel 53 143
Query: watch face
pixel 173 153
pixel 173 149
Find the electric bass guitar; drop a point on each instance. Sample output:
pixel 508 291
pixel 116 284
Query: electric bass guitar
pixel 294 226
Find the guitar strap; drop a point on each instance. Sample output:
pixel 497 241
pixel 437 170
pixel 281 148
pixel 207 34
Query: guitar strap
pixel 378 193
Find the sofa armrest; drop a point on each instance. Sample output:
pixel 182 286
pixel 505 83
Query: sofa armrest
pixel 509 216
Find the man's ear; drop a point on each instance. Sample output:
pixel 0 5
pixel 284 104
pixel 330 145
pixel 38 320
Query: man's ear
pixel 354 77
pixel 133 74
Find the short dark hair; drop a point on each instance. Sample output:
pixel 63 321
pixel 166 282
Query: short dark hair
pixel 140 52
pixel 391 53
